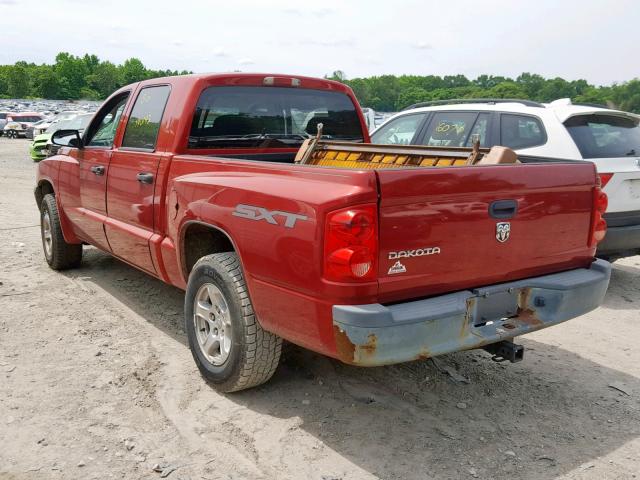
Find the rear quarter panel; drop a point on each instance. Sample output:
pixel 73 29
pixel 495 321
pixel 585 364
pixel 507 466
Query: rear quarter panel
pixel 282 266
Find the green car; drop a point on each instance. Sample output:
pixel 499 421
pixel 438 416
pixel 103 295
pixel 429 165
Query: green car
pixel 41 146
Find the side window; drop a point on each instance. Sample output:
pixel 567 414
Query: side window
pixel 102 130
pixel 146 115
pixel 450 129
pixel 399 131
pixel 519 131
pixel 480 131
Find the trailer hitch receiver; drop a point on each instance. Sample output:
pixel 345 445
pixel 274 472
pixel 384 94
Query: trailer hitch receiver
pixel 505 350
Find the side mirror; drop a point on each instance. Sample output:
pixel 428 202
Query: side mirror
pixel 67 138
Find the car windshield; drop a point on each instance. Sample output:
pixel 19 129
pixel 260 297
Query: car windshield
pixel 79 122
pixel 605 136
pixel 26 118
pixel 249 117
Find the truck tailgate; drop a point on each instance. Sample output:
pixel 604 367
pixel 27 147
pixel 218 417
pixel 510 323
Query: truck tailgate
pixel 449 229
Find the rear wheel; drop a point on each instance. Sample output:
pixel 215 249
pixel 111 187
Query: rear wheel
pixel 59 254
pixel 228 344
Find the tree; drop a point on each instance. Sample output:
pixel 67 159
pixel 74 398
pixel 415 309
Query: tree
pixel 132 71
pixel 627 96
pixel 104 79
pixel 337 75
pixel 46 83
pixel 507 89
pixel 18 81
pixel 72 72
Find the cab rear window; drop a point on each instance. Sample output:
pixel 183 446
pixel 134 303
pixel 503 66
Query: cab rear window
pixel 605 136
pixel 281 117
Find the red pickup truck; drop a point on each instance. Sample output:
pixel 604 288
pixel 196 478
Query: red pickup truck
pixel 192 179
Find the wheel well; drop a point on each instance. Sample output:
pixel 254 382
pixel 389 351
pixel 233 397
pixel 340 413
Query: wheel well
pixel 44 188
pixel 200 240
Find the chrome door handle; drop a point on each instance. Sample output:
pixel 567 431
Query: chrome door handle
pixel 97 169
pixel 144 177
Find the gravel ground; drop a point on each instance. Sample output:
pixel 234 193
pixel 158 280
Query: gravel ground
pixel 96 381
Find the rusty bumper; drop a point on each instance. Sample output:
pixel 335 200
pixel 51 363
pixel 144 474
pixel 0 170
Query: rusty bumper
pixel 375 334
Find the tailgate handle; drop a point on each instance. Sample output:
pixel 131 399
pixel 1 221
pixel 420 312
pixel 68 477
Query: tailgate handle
pixel 503 208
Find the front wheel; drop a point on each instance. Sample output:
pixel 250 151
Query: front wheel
pixel 228 344
pixel 59 254
pixel 12 134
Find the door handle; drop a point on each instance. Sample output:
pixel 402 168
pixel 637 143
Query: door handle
pixel 503 209
pixel 97 169
pixel 144 177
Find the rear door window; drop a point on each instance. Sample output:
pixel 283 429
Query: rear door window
pixel 399 131
pixel 480 131
pixel 605 136
pixel 450 129
pixel 521 131
pixel 144 122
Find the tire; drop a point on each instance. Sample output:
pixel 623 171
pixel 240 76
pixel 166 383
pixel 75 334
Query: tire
pixel 59 254
pixel 244 355
pixel 12 134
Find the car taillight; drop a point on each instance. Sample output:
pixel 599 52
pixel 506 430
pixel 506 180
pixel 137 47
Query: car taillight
pixel 604 179
pixel 598 224
pixel 351 244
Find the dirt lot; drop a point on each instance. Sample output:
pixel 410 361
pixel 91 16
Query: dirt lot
pixel 96 381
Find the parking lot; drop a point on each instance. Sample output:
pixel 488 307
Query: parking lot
pixel 97 381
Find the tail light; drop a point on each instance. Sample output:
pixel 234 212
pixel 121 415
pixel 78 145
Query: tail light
pixel 351 244
pixel 598 224
pixel 604 179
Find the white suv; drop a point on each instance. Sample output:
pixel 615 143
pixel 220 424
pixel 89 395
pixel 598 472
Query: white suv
pixel 536 131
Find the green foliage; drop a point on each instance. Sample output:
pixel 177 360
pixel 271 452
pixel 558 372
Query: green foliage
pixel 391 93
pixel 18 80
pixel 73 77
pixel 88 77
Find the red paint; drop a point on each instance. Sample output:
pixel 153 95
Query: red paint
pixel 284 267
pixel 448 208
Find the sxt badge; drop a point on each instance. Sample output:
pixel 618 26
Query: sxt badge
pixel 260 213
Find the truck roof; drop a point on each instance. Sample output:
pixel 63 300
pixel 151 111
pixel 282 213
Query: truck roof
pixel 250 79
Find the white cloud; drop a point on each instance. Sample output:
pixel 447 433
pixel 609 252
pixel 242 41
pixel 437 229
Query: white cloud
pixel 313 11
pixel 423 46
pixel 246 61
pixel 330 42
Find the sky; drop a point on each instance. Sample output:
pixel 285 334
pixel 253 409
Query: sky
pixel 594 40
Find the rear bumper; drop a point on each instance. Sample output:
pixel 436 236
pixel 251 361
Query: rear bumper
pixel 375 334
pixel 620 241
